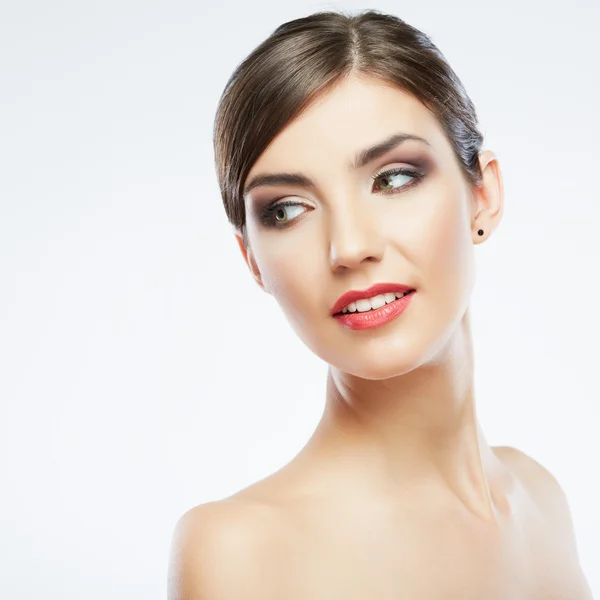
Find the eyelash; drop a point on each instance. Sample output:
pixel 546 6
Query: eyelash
pixel 267 217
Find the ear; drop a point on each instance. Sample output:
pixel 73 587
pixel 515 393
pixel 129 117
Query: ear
pixel 489 198
pixel 249 259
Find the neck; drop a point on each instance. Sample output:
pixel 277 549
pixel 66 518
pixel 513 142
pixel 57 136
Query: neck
pixel 416 431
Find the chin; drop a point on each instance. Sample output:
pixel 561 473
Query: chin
pixel 374 360
pixel 378 369
pixel 381 353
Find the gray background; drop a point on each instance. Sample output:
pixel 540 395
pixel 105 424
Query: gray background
pixel 141 367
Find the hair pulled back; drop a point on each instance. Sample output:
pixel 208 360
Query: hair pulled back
pixel 305 57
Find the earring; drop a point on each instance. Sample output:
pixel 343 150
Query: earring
pixel 480 232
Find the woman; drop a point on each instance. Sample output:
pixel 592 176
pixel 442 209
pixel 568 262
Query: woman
pixel 352 170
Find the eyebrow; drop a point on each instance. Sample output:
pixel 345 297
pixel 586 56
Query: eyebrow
pixel 361 159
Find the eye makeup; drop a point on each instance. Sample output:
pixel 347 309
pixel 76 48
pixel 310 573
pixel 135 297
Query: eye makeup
pixel 273 214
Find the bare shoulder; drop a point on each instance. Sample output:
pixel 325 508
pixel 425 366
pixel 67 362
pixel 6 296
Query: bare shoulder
pixel 553 509
pixel 542 486
pixel 219 550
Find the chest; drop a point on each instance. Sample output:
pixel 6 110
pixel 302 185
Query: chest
pixel 418 559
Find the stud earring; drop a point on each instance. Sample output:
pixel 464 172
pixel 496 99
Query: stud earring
pixel 480 232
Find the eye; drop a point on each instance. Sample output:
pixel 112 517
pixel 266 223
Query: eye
pixel 281 211
pixel 281 214
pixel 392 177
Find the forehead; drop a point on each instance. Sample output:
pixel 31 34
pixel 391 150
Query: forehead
pixel 351 116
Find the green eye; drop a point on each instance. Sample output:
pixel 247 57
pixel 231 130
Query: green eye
pixel 391 177
pixel 278 215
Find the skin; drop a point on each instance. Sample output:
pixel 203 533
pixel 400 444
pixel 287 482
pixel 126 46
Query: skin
pixel 397 494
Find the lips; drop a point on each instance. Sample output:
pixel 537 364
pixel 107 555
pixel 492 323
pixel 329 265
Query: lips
pixel 375 290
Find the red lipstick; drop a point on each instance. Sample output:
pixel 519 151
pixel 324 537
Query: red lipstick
pixel 373 317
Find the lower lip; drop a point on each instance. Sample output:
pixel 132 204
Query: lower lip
pixel 377 317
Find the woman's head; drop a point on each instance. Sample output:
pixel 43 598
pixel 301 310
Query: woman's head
pixel 309 101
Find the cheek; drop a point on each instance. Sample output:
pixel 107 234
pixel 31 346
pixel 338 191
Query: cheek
pixel 449 254
pixel 292 277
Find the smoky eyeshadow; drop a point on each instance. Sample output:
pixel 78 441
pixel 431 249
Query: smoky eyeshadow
pixel 260 198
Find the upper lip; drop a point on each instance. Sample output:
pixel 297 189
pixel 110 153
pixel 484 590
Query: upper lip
pixel 374 290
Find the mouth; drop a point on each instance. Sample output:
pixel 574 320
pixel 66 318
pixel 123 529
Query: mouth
pixel 374 303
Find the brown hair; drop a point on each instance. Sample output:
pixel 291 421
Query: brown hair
pixel 305 57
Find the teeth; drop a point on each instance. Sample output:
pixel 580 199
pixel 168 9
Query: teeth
pixel 378 301
pixel 365 305
pixel 372 303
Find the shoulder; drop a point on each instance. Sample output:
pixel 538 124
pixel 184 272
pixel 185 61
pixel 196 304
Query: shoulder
pixel 542 486
pixel 553 514
pixel 219 549
pixel 544 489
pixel 526 466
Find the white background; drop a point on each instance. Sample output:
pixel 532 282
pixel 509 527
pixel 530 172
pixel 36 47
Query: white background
pixel 143 372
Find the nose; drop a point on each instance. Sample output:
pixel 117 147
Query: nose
pixel 355 238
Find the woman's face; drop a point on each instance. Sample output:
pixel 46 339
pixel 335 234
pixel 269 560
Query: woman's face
pixel 355 227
